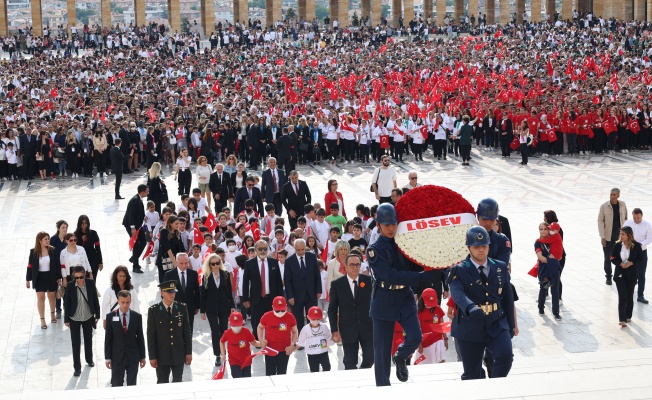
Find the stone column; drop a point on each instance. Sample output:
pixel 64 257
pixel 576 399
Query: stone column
pixel 397 11
pixel 567 10
pixel 408 11
pixel 427 9
pixel 174 16
pixel 4 22
pixel 520 8
pixel 441 12
pixel 583 5
pixel 598 8
pixel 377 12
pixel 343 13
pixel 505 16
pixel 72 14
pixel 459 10
pixel 310 10
pixel 473 9
pixel 105 13
pixel 139 11
pixel 649 10
pixel 335 6
pixel 273 11
pixel 37 18
pixel 301 9
pixel 207 16
pixel 240 11
pixel 535 9
pixel 639 10
pixel 626 8
pixel 490 9
pixel 551 9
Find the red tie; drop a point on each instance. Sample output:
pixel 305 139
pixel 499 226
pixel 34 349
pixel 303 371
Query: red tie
pixel 263 293
pixel 124 323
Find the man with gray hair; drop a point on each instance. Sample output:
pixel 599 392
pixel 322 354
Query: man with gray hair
pixel 611 218
pixel 302 281
pixel 188 288
pixel 412 182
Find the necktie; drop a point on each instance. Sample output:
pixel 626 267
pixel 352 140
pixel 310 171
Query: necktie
pixel 296 189
pixel 124 323
pixel 483 276
pixel 170 312
pixel 275 183
pixel 220 180
pixel 263 292
pixel 183 280
pixel 249 190
pixel 303 265
pixel 355 289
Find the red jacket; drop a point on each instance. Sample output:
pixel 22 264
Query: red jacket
pixel 330 198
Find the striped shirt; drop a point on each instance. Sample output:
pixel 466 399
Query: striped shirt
pixel 83 312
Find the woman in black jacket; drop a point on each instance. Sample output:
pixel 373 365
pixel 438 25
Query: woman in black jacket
pixel 90 241
pixel 216 302
pixel 44 274
pixel 626 256
pixel 158 193
pixel 169 246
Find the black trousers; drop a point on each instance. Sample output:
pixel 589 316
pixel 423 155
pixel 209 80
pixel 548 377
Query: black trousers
pixel 219 322
pixel 641 268
pixel 607 258
pixel 626 284
pixel 293 221
pixel 28 167
pixel 504 145
pixel 317 360
pixel 257 312
pixel 278 204
pixel 351 353
pixel 118 181
pixel 276 365
pixel 139 246
pixel 163 373
pixel 524 153
pixel 239 372
pixel 100 162
pixel 75 337
pixel 184 179
pixel 465 151
pixel 332 148
pixel 118 373
pixel 398 148
pixel 348 147
pixel 440 147
pixel 301 310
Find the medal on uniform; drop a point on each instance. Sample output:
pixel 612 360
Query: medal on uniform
pixel 500 290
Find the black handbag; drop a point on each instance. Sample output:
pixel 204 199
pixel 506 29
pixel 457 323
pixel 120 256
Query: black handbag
pixel 303 146
pixel 371 188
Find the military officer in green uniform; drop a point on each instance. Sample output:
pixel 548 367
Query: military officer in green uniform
pixel 169 339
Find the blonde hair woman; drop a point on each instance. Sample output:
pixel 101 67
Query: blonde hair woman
pixel 204 171
pixel 73 154
pixel 336 265
pixel 158 192
pixel 216 300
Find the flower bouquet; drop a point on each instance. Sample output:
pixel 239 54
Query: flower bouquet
pixel 432 225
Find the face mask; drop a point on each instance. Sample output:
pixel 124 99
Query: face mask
pixel 236 329
pixel 232 248
pixel 279 313
pixel 314 322
pixel 249 210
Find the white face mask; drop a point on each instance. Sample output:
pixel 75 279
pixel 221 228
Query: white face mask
pixel 231 247
pixel 236 329
pixel 314 322
pixel 279 314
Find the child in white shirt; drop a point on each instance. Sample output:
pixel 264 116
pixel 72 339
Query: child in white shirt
pixel 195 258
pixel 314 338
pixel 151 218
pixel 12 160
pixel 320 228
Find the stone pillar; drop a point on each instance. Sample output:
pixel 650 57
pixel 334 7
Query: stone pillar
pixel 598 8
pixel 473 9
pixel 551 9
pixel 649 10
pixel 301 9
pixel 335 9
pixel 240 11
pixel 490 9
pixel 441 12
pixel 639 10
pixel 505 17
pixel 343 13
pixel 377 12
pixel 37 18
pixel 408 12
pixel 174 16
pixel 139 11
pixel 626 8
pixel 207 16
pixel 459 10
pixel 535 10
pixel 72 14
pixel 520 8
pixel 366 8
pixel 583 5
pixel 427 9
pixel 397 11
pixel 310 10
pixel 4 22
pixel 567 10
pixel 105 13
pixel 273 11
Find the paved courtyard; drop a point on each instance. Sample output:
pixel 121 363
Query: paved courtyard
pixel 35 360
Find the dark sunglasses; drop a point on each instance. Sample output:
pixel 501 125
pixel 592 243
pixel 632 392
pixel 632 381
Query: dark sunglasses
pixel 262 249
pixel 215 263
pixel 79 278
pixel 72 240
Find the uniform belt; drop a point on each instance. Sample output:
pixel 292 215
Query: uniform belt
pixel 489 308
pixel 391 287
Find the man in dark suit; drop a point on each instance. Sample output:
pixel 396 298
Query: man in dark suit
pixel 295 196
pixel 302 281
pixel 117 160
pixel 188 289
pixel 249 191
pixel 125 145
pixel 169 340
pixel 220 186
pixel 261 282
pixel 124 342
pixel 133 221
pixel 82 310
pixel 285 144
pixel 272 184
pixel 27 143
pixel 348 313
pixel 254 133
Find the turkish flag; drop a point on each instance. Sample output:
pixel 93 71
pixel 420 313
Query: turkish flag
pixel 552 137
pixel 263 60
pixel 315 63
pixel 198 238
pixel 111 79
pixel 551 71
pixel 420 359
pixel 211 223
pixel 181 81
pixel 121 74
pixel 132 240
pixel 149 250
pixel 534 271
pixel 220 373
pixel 54 93
pixel 280 62
pixel 424 132
pixel 217 89
pixel 384 142
pixel 193 84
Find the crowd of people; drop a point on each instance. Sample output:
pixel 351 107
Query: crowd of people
pixel 344 96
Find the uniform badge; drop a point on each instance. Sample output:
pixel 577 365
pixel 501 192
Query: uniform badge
pixel 508 244
pixel 498 270
pixel 500 291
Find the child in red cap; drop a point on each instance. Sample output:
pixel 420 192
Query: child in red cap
pixel 315 337
pixel 279 330
pixel 434 344
pixel 238 339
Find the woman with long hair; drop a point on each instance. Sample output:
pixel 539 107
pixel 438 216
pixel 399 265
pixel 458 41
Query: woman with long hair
pixel 44 275
pixel 43 154
pixel 335 267
pixel 169 245
pixel 58 241
pixel 73 154
pixel 626 256
pixel 158 193
pixel 72 256
pixel 120 280
pixel 333 196
pixel 216 300
pixel 90 241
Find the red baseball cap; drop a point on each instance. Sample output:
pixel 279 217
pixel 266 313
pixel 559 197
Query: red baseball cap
pixel 315 313
pixel 279 304
pixel 429 297
pixel 235 319
pixel 554 226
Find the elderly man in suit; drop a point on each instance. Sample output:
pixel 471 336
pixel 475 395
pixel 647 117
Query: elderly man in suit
pixel 261 282
pixel 188 289
pixel 348 313
pixel 124 342
pixel 133 221
pixel 220 186
pixel 272 184
pixel 302 281
pixel 295 196
pixel 249 191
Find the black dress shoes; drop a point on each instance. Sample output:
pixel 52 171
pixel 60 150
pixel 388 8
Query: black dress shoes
pixel 91 364
pixel 119 197
pixel 401 369
pixel 77 372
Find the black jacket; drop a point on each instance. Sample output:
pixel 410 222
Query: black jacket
pixel 252 277
pixel 116 157
pixel 135 214
pixel 157 191
pixel 214 299
pixel 354 321
pixel 32 266
pixel 224 189
pixel 72 297
pixel 635 256
pixel 302 286
pixel 267 184
pixel 190 295
pixel 293 202
pixel 242 195
pixel 91 245
pixel 119 345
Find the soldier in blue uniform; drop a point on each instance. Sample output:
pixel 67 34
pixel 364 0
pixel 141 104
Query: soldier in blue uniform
pixel 392 298
pixel 480 287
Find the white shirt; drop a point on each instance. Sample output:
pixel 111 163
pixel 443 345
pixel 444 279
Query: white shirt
pixel 385 181
pixel 477 266
pixel 352 285
pixel 260 264
pixel 109 299
pixel 642 232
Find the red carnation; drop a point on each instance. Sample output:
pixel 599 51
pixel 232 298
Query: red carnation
pixel 431 201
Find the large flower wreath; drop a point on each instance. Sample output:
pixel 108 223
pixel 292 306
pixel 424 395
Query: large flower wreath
pixel 432 225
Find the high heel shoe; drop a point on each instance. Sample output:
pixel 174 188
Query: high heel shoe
pixel 54 318
pixel 43 324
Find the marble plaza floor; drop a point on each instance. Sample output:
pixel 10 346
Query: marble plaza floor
pixel 35 360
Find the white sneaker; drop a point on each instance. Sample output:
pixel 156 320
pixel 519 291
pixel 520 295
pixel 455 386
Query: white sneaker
pixel 352 162
pixel 98 175
pixel 65 174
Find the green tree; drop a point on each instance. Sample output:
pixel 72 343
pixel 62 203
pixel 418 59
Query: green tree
pixel 290 13
pixel 185 25
pixel 82 15
pixel 257 4
pixel 321 12
pixel 354 19
pixel 384 10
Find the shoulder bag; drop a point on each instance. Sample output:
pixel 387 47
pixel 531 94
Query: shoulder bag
pixel 371 188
